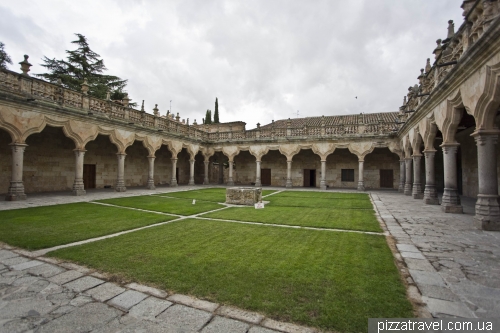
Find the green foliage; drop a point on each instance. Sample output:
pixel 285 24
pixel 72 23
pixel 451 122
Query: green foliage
pixel 81 64
pixel 216 113
pixel 208 117
pixel 4 57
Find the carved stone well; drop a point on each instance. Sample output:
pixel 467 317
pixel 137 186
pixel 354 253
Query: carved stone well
pixel 243 195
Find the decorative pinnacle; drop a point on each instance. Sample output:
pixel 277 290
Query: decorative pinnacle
pixel 126 100
pixel 155 110
pixel 25 65
pixel 85 87
pixel 142 106
pixel 428 65
pixel 451 29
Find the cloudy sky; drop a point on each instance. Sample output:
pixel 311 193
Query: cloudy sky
pixel 263 59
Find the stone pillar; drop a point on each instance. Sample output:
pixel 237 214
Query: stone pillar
pixel 289 183
pixel 221 172
pixel 402 171
pixel 206 180
pixel 120 182
pixel 151 173
pixel 230 181
pixel 16 188
pixel 487 208
pixel 417 185
pixel 408 164
pixel 361 182
pixel 322 183
pixel 257 177
pixel 430 193
pixel 173 181
pixel 78 186
pixel 451 199
pixel 191 172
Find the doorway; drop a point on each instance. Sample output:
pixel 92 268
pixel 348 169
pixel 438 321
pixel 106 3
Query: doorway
pixel 309 177
pixel 265 176
pixel 386 178
pixel 89 176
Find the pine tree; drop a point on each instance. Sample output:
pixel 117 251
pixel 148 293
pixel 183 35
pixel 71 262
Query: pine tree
pixel 208 117
pixel 216 113
pixel 81 64
pixel 4 57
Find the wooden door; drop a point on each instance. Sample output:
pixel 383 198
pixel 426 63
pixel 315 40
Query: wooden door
pixel 307 177
pixel 312 182
pixel 265 176
pixel 88 176
pixel 386 178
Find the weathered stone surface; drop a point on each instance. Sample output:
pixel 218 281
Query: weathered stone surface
pixel 194 302
pixel 149 308
pixel 419 264
pixel 430 278
pixel 46 270
pixel 65 277
pixel 148 290
pixel 220 324
pixel 180 317
pixel 127 299
pixel 239 314
pixel 414 255
pixel 286 327
pixel 105 291
pixel 407 248
pixel 258 329
pixel 243 195
pixel 83 284
pixel 438 307
pixel 438 292
pixel 14 261
pixel 6 254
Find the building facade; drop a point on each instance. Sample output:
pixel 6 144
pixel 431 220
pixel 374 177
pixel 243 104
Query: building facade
pixel 442 140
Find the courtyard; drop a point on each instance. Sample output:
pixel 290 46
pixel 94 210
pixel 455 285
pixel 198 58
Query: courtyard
pixel 315 259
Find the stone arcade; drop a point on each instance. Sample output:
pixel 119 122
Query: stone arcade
pixel 55 139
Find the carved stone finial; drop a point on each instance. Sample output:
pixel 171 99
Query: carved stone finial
pixel 437 51
pixel 59 81
pixel 258 125
pixel 404 101
pixel 108 95
pixel 428 65
pixel 178 117
pixel 25 65
pixel 142 106
pixel 126 100
pixel 187 121
pixel 155 110
pixel 85 87
pixel 194 122
pixel 451 29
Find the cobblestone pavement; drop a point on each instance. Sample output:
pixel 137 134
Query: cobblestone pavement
pixel 451 266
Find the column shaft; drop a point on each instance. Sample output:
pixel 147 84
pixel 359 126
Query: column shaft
pixel 289 182
pixel 322 183
pixel 257 172
pixel 151 173
pixel 78 186
pixel 487 207
pixel 16 188
pixel 451 199
pixel 402 172
pixel 417 185
pixel 120 182
pixel 173 181
pixel 361 181
pixel 430 193
pixel 191 172
pixel 206 180
pixel 408 164
pixel 230 181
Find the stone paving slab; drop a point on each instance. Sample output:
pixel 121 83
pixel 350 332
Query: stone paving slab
pixel 83 283
pixel 194 302
pixel 439 307
pixel 250 317
pixel 26 265
pixel 65 277
pixel 183 318
pixel 149 308
pixel 148 290
pixel 286 327
pixel 6 254
pixel 414 255
pixel 127 299
pixel 105 291
pixel 220 324
pixel 427 278
pixel 14 261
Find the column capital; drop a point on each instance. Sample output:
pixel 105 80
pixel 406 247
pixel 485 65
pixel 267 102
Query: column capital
pixel 361 159
pixel 174 159
pixel 17 144
pixel 121 154
pixel 484 132
pixel 408 159
pixel 449 144
pixel 80 150
pixel 429 151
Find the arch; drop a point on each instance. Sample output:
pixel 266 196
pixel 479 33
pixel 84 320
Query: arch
pixel 489 101
pixel 448 115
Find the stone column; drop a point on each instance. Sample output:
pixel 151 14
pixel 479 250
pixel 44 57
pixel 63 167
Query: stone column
pixel 230 181
pixel 451 199
pixel 361 182
pixel 289 183
pixel 257 177
pixel 16 188
pixel 221 172
pixel 430 194
pixel 487 208
pixel 173 181
pixel 120 182
pixel 206 180
pixel 322 183
pixel 151 173
pixel 408 164
pixel 191 172
pixel 417 185
pixel 78 186
pixel 402 177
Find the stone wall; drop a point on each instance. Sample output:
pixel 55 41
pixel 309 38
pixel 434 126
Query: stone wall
pixel 381 158
pixel 102 153
pixel 5 161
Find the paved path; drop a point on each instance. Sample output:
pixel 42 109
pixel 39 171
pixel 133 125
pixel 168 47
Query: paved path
pixel 450 266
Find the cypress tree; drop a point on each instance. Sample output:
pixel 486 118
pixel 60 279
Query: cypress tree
pixel 208 117
pixel 216 113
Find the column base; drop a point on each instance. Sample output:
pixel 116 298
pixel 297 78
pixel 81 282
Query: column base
pixel 288 183
pixel 15 197
pixel 407 189
pixel 417 191
pixel 322 185
pixel 173 183
pixel 401 188
pixel 258 183
pixel 230 183
pixel 79 192
pixel 191 182
pixel 487 212
pixel 451 201
pixel 430 195
pixel 361 186
pixel 206 182
pixel 120 189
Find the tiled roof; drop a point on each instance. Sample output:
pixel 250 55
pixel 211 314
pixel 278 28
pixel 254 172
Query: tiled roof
pixel 365 118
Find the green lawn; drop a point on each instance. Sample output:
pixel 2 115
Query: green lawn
pixel 330 280
pixel 349 219
pixel 209 194
pixel 336 203
pixel 43 227
pixel 165 205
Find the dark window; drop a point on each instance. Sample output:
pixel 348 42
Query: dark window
pixel 347 175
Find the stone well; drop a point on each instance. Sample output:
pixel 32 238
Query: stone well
pixel 243 195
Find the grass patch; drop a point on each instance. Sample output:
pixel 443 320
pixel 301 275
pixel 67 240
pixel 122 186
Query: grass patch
pixel 209 194
pixel 43 227
pixel 333 281
pixel 318 202
pixel 349 219
pixel 164 205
